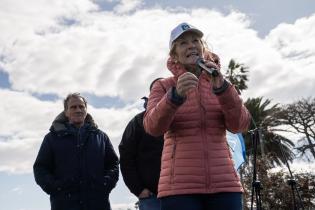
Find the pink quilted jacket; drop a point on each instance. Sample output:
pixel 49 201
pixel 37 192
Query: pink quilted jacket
pixel 196 157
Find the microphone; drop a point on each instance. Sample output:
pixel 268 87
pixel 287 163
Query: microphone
pixel 212 71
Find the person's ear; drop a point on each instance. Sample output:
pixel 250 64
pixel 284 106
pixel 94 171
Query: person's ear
pixel 66 113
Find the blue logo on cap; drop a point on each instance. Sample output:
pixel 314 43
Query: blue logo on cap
pixel 185 27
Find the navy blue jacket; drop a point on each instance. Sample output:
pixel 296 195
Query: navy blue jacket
pixel 78 168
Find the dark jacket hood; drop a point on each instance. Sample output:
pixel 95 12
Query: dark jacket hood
pixel 61 121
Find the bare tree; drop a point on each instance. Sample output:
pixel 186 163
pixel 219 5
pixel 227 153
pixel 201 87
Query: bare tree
pixel 300 116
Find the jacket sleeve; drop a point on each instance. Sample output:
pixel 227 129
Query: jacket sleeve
pixel 160 110
pixel 128 149
pixel 111 162
pixel 237 117
pixel 43 168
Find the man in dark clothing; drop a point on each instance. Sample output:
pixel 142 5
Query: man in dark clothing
pixel 140 161
pixel 76 164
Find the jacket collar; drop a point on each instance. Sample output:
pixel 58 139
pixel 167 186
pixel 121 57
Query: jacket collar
pixel 61 122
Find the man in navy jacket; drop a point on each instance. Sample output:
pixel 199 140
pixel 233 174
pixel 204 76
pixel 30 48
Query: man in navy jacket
pixel 76 164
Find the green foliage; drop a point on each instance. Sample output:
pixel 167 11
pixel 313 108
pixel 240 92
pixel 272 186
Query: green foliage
pixel 270 119
pixel 237 75
pixel 264 114
pixel 276 193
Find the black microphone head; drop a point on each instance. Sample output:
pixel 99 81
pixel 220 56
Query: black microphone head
pixel 211 70
pixel 214 72
pixel 200 60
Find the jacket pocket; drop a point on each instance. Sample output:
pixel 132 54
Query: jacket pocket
pixel 65 201
pixel 65 185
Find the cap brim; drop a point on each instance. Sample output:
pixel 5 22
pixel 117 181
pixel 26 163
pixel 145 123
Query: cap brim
pixel 188 30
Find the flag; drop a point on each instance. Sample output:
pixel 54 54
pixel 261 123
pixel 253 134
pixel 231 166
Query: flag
pixel 237 148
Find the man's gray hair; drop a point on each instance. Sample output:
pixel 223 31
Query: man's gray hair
pixel 73 95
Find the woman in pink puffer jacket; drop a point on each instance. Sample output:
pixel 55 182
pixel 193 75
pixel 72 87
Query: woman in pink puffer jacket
pixel 193 109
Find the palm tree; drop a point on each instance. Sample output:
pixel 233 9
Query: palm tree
pixel 237 75
pixel 272 145
pixel 274 149
pixel 264 116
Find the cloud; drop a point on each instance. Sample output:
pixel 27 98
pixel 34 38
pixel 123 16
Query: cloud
pixel 57 47
pixel 128 6
pixel 28 119
pixel 295 71
pixel 107 54
pixel 98 55
pixel 75 47
pixel 17 190
pixel 35 16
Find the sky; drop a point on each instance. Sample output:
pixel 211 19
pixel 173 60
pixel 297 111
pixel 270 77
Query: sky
pixel 111 50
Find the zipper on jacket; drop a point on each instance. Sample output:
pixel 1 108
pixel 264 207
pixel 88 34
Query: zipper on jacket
pixel 80 151
pixel 204 139
pixel 173 160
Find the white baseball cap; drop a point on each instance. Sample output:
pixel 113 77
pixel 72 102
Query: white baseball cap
pixel 180 29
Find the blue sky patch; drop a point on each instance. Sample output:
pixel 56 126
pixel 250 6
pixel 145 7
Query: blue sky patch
pixel 4 80
pixel 104 101
pixel 21 193
pixel 68 21
pixel 46 97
